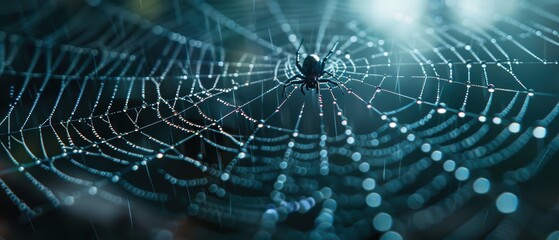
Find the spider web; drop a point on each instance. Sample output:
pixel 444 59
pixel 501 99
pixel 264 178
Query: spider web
pixel 178 106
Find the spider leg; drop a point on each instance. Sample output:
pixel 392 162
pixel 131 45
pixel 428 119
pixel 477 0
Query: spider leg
pixel 332 82
pixel 331 75
pixel 294 82
pixel 328 55
pixel 289 83
pixel 297 58
pixel 304 84
pixel 328 81
pixel 293 78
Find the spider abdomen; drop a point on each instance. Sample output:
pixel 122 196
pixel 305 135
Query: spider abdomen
pixel 311 65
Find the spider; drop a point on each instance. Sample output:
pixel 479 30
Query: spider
pixel 312 72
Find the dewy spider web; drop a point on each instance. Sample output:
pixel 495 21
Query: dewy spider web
pixel 448 132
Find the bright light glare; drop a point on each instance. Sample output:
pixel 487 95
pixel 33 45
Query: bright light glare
pixel 392 16
pixel 480 12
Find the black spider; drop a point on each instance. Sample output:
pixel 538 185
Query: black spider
pixel 312 70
